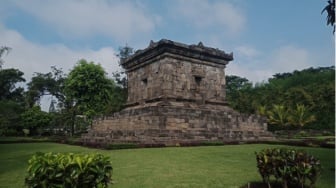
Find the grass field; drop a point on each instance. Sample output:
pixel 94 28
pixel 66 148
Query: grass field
pixel 178 167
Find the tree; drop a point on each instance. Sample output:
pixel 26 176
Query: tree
pixel 3 50
pixel 330 9
pixel 312 87
pixel 35 119
pixel 10 118
pixel 120 77
pixel 295 95
pixel 235 83
pixel 278 115
pixel 11 98
pixel 238 93
pixel 51 83
pixel 88 89
pixel 8 84
pixel 119 95
pixel 300 116
pixel 124 53
pixel 11 101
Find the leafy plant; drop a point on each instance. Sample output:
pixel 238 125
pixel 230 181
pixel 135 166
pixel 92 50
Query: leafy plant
pixel 289 166
pixel 300 116
pixel 68 170
pixel 26 132
pixel 278 115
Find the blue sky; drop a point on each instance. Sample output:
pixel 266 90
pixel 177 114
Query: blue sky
pixel 266 36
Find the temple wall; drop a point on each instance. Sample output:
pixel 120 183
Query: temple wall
pixel 174 78
pixel 172 125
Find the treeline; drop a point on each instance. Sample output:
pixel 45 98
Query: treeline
pixel 301 99
pixel 78 97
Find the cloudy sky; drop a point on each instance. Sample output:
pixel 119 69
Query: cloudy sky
pixel 266 36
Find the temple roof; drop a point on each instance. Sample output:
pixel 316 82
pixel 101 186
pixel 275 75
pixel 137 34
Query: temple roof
pixel 198 51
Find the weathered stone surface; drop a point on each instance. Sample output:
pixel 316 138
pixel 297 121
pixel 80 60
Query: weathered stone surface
pixel 176 93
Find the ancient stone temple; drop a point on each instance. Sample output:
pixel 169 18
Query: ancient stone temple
pixel 176 94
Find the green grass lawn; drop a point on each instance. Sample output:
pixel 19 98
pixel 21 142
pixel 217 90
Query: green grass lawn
pixel 212 166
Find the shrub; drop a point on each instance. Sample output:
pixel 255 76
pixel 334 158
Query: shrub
pixel 212 144
pixel 68 170
pixel 290 166
pixel 121 146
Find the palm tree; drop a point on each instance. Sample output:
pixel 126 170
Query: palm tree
pixel 262 110
pixel 278 115
pixel 330 9
pixel 300 116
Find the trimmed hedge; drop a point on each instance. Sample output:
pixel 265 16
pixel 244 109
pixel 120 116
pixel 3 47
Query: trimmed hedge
pixel 121 146
pixel 68 170
pixel 289 166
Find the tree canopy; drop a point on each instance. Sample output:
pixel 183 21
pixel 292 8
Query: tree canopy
pixel 309 95
pixel 41 84
pixel 330 9
pixel 88 87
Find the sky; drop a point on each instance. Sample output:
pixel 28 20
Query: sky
pixel 265 36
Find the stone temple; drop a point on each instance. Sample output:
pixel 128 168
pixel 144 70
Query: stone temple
pixel 176 94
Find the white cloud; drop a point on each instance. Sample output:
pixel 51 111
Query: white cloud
pixel 254 75
pixel 247 51
pixel 289 58
pixel 31 57
pixel 120 20
pixel 206 14
pixel 257 67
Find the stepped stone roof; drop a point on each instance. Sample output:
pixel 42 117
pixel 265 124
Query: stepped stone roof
pixel 199 52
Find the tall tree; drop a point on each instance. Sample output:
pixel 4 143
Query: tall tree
pixel 119 96
pixel 3 50
pixel 330 9
pixel 51 83
pixel 121 77
pixel 89 89
pixel 124 52
pixel 239 88
pixel 9 78
pixel 11 98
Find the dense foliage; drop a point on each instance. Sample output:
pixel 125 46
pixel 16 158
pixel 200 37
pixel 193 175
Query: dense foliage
pixel 289 166
pixel 88 87
pixel 84 93
pixel 11 101
pixel 41 84
pixel 68 170
pixel 301 98
pixel 34 119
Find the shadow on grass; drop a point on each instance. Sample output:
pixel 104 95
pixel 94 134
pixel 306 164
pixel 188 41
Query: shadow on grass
pixel 260 184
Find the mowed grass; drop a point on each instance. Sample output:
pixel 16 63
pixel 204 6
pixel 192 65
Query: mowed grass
pixel 178 167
